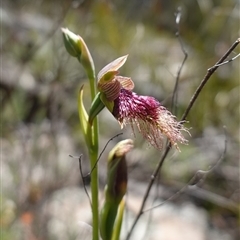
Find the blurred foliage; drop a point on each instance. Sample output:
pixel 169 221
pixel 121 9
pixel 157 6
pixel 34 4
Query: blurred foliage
pixel 40 82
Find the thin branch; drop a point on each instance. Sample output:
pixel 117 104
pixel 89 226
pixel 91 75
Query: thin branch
pixel 89 174
pixel 148 222
pixel 199 177
pixel 83 178
pixel 103 152
pixel 190 105
pixel 206 78
pixel 213 198
pixel 175 91
pixel 153 177
pixel 228 61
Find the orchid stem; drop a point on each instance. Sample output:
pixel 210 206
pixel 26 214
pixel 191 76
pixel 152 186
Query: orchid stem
pixel 76 47
pixel 93 153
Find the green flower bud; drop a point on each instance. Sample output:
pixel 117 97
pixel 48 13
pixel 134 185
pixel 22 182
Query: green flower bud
pixel 117 170
pixel 72 42
pixel 76 47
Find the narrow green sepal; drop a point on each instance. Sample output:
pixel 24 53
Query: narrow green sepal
pixel 118 222
pixel 83 116
pixel 107 103
pixel 96 107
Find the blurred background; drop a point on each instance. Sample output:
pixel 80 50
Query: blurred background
pixel 42 194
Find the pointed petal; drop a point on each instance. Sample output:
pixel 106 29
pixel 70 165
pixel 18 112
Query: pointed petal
pixel 112 66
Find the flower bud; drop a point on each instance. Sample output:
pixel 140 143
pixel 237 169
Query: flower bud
pixel 72 42
pixel 117 170
pixel 76 47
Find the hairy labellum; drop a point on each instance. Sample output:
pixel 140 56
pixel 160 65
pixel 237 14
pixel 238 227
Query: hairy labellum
pixel 151 119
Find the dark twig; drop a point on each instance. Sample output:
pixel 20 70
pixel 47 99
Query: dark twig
pixel 206 78
pixel 153 177
pixel 83 178
pixel 228 61
pixel 175 91
pixel 157 194
pixel 199 177
pixel 87 175
pixel 192 101
pixel 103 151
pixel 213 198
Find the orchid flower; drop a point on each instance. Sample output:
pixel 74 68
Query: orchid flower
pixel 151 119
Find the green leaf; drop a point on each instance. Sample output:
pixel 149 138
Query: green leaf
pixel 83 116
pixel 96 107
pixel 118 222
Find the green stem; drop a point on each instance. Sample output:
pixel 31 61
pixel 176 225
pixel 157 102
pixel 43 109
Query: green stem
pixel 93 153
pixel 76 47
pixel 94 190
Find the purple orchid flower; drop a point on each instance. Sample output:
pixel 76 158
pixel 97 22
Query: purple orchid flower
pixel 151 119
